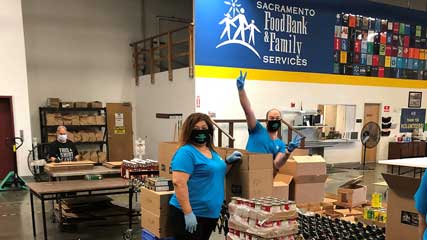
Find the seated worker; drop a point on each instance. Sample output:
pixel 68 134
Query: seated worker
pixel 421 206
pixel 261 139
pixel 62 150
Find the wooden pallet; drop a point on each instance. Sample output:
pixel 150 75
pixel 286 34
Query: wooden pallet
pixel 69 166
pixel 112 164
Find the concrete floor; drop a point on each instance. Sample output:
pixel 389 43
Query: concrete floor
pixel 15 212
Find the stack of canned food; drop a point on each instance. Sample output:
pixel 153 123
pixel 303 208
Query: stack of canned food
pixel 376 212
pixel 262 218
pixel 137 168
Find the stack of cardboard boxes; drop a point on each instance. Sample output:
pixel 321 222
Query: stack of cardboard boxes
pixel 155 212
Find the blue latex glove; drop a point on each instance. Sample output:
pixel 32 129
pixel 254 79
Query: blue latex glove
pixel 234 157
pixel 190 222
pixel 294 144
pixel 241 81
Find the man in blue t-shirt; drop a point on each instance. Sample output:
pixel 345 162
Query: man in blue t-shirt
pixel 261 139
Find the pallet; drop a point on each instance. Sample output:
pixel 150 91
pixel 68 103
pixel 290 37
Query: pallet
pixel 112 165
pixel 69 166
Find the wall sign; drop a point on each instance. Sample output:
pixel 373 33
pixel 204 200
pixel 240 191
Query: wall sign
pixel 414 100
pixel 412 119
pixel 386 108
pixel 311 36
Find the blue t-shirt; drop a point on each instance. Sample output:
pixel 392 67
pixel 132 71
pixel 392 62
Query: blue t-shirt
pixel 206 182
pixel 421 199
pixel 260 142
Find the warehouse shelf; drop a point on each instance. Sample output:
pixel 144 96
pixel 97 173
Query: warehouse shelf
pixel 48 129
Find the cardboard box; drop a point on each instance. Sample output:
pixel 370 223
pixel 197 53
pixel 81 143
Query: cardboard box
pixel 91 136
pixel 155 202
pixel 70 136
pixel 352 194
pixel 252 161
pixel 91 120
pixel 75 120
pixel 94 157
pixel 77 137
pixel 100 120
pixel 306 178
pixel 99 135
pixel 84 120
pixel 95 104
pixel 51 137
pixel 80 104
pixel 67 120
pixel 102 157
pixel 249 184
pixel 166 152
pixel 53 102
pixel 158 225
pixel 53 119
pixel 402 217
pixel 280 190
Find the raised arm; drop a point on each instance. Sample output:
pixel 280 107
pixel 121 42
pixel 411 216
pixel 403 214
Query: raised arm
pixel 244 101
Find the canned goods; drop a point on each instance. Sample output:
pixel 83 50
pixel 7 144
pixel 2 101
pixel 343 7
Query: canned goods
pixel 276 207
pixel 285 206
pixel 252 222
pixel 365 213
pixel 234 200
pixel 266 207
pixel 251 204
pixel 258 205
pixel 376 214
pixel 382 216
pixel 370 214
pixel 377 200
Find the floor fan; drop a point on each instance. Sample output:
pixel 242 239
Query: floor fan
pixel 370 137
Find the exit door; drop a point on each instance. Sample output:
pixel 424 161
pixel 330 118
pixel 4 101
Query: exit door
pixel 120 134
pixel 7 132
pixel 372 114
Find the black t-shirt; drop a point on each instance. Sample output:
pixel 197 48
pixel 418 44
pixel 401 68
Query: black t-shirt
pixel 63 151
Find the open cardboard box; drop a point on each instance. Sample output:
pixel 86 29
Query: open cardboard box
pixel 306 176
pixel 402 217
pixel 352 194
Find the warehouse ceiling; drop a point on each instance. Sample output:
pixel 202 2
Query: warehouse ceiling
pixel 412 4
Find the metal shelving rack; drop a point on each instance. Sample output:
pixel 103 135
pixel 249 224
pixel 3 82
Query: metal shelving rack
pixel 46 129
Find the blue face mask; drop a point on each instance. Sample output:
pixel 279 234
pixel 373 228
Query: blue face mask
pixel 200 136
pixel 62 138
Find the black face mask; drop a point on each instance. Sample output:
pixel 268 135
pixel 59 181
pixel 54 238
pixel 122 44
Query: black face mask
pixel 200 136
pixel 273 125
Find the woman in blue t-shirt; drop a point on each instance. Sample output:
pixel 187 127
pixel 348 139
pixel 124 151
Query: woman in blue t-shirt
pixel 265 139
pixel 198 178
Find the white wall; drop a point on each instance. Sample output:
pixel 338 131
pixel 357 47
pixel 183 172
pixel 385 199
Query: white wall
pixel 220 96
pixel 169 8
pixel 13 72
pixel 162 97
pixel 79 50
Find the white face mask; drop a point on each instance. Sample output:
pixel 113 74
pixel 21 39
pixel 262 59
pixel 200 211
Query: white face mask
pixel 62 138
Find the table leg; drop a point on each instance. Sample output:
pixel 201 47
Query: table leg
pixel 44 217
pixel 60 212
pixel 32 213
pixel 392 169
pixel 398 170
pixel 130 207
pixel 415 171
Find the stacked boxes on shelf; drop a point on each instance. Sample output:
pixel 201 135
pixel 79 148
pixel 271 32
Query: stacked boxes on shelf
pixel 262 218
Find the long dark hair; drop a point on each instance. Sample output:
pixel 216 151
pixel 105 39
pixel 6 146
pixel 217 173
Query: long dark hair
pixel 189 124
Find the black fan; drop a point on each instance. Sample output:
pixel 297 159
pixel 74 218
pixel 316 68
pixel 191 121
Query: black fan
pixel 370 136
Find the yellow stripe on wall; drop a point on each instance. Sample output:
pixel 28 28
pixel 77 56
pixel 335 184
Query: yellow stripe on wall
pixel 303 77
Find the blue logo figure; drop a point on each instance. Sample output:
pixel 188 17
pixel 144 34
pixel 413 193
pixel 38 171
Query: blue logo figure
pixel 239 36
